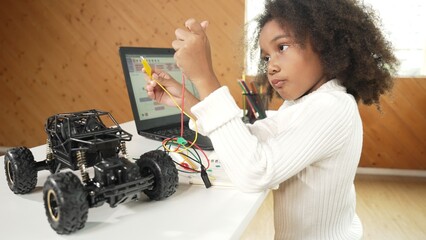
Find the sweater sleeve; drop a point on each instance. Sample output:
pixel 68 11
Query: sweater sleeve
pixel 272 150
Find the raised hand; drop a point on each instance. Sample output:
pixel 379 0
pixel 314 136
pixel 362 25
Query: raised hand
pixel 193 56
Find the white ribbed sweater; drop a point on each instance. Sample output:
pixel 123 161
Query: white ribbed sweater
pixel 310 148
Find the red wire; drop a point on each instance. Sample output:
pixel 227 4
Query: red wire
pixel 165 141
pixel 183 104
pixel 196 146
pixel 205 155
pixel 182 119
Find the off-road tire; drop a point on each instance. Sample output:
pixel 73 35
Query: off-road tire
pixel 161 165
pixel 20 169
pixel 65 202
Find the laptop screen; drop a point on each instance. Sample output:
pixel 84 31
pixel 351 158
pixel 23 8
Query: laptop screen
pixel 149 114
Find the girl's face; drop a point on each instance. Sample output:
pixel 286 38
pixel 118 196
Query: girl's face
pixel 292 71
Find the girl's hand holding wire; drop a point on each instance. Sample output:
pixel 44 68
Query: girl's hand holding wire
pixel 158 92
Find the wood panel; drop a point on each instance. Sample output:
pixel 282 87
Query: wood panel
pixel 396 136
pixel 61 56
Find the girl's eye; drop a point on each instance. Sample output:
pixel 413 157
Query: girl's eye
pixel 283 47
pixel 266 59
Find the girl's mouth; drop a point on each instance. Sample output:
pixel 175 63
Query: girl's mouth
pixel 277 83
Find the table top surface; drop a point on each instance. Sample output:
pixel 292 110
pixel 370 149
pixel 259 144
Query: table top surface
pixel 193 212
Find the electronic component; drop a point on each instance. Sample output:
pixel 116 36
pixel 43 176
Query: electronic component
pixel 146 66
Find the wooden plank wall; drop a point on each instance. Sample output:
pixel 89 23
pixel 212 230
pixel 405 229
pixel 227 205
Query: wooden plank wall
pixel 396 136
pixel 61 56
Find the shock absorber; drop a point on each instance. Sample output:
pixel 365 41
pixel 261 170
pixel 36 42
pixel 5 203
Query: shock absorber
pixel 123 149
pixel 81 163
pixel 49 153
pixel 50 161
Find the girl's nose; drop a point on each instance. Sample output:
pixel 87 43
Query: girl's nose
pixel 273 66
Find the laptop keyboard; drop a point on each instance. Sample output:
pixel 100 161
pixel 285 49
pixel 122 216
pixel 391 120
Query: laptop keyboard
pixel 202 141
pixel 188 134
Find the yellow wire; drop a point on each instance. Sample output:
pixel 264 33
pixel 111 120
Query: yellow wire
pixel 186 159
pixel 186 114
pixel 149 71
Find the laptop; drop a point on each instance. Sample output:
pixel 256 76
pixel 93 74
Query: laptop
pixel 154 120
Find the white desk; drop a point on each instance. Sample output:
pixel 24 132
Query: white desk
pixel 193 212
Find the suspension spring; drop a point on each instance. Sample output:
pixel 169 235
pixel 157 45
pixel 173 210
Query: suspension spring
pixel 81 163
pixel 49 152
pixel 123 149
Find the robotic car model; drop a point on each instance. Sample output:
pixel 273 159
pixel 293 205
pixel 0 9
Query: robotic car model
pixel 78 141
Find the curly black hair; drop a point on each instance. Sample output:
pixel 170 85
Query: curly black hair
pixel 346 36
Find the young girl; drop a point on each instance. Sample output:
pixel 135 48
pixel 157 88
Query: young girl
pixel 321 57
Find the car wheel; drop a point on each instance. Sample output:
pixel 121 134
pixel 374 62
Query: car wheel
pixel 161 165
pixel 65 202
pixel 20 169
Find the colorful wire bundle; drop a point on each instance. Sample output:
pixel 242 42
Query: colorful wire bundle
pixel 180 140
pixel 181 143
pixel 190 155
